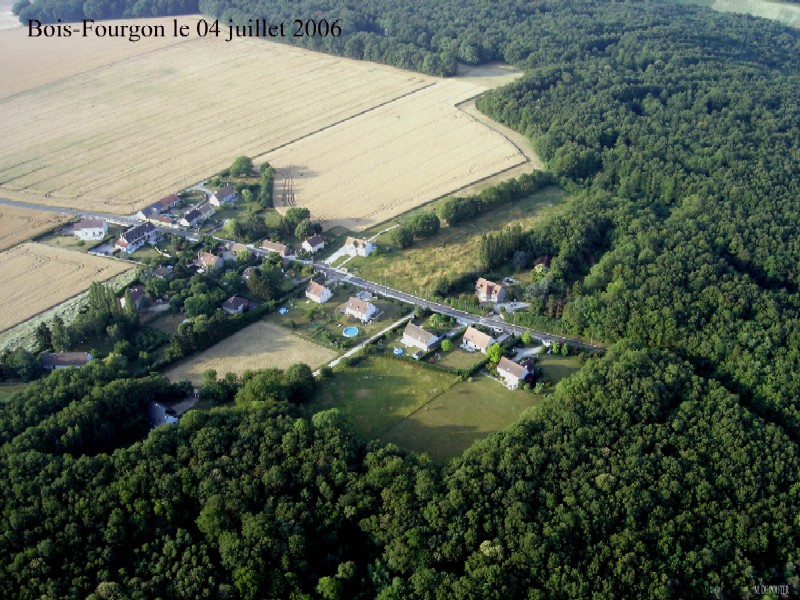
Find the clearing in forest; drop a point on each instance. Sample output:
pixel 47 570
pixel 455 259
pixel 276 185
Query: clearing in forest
pixel 259 346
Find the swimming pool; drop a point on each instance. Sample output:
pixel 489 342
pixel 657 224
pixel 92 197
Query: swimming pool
pixel 350 331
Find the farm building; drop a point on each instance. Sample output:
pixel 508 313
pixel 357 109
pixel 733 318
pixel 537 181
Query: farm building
pixel 90 229
pixel 136 237
pixel 224 195
pixel 155 209
pixel 417 337
pixel 314 244
pixel 64 360
pixel 488 291
pixel 476 340
pixel 360 309
pixel 277 247
pixel 235 305
pixel 513 373
pixel 358 247
pixel 167 202
pixel 316 292
pixel 162 221
pixel 206 209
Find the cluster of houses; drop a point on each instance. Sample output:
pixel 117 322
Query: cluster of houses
pixel 158 212
pixel 512 373
pixel 315 243
pixel 312 245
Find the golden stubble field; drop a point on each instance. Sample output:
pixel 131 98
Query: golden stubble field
pixel 35 277
pixel 258 346
pixel 125 132
pixel 20 224
pixel 389 160
pixel 106 124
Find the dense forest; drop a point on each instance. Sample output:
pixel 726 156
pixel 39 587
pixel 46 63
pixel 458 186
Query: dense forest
pixel 669 468
pixel 50 11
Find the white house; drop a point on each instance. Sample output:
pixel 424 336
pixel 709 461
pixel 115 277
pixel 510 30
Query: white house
pixel 136 237
pixel 224 195
pixel 314 244
pixel 476 340
pixel 64 360
pixel 91 229
pixel 488 291
pixel 418 337
pixel 359 247
pixel 360 309
pixel 316 292
pixel 513 373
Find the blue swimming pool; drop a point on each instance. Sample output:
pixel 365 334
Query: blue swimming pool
pixel 350 331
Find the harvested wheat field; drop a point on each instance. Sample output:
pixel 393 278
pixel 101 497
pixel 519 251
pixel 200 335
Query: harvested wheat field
pixel 258 346
pixel 127 131
pixel 34 277
pixel 20 224
pixel 392 159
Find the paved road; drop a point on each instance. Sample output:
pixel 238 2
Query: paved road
pixel 462 316
pixel 118 219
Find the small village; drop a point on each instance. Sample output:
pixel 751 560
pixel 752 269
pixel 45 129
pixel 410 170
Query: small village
pixel 297 278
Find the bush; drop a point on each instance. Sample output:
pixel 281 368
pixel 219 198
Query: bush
pixel 447 345
pixel 402 236
pixel 241 167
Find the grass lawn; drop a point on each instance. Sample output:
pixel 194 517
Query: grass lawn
pixel 557 368
pixel 319 322
pixel 6 391
pixel 453 250
pixel 468 411
pixel 63 238
pixel 379 392
pixel 167 322
pixel 458 358
pixel 258 346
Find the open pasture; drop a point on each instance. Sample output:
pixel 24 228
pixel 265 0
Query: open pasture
pixel 129 128
pixel 34 277
pixel 259 346
pixel 467 412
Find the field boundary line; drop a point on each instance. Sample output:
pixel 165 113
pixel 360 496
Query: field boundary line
pixel 351 117
pixel 420 407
